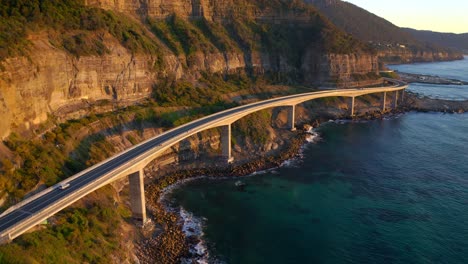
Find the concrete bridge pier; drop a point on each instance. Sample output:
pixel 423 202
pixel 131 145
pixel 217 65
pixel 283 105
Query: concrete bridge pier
pixel 292 117
pixel 351 106
pixel 137 195
pixel 402 97
pixel 5 239
pixel 384 101
pixel 226 143
pixel 395 99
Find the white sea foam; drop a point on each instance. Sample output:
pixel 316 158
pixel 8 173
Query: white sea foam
pixel 312 138
pixel 259 172
pixel 290 163
pixel 193 226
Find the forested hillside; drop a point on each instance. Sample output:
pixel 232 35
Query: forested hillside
pixel 394 44
pixel 451 40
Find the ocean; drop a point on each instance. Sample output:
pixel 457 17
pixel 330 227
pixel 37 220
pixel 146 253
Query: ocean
pixel 454 70
pixel 383 191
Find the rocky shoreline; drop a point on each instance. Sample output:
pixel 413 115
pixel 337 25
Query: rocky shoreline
pixel 417 103
pixel 169 244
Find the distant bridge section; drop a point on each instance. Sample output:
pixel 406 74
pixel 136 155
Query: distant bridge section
pixel 34 210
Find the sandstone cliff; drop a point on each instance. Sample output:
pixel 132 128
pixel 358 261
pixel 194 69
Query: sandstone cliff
pixel 404 55
pixel 288 40
pixel 211 10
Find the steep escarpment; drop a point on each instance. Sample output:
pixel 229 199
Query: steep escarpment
pixel 65 59
pixel 402 54
pixel 221 10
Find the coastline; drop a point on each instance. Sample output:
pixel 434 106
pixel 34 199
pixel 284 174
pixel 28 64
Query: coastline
pixel 170 244
pixel 429 79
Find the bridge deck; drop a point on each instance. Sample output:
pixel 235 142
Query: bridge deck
pixel 32 211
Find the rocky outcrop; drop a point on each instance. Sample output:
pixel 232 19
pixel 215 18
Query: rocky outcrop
pixel 52 82
pixel 209 9
pixel 320 69
pixel 405 55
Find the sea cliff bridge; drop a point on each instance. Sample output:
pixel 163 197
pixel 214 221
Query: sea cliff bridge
pixel 34 210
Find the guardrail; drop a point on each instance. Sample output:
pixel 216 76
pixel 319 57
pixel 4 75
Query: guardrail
pixel 214 120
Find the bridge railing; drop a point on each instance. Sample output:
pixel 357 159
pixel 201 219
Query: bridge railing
pixel 37 217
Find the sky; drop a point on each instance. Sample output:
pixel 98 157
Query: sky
pixel 436 15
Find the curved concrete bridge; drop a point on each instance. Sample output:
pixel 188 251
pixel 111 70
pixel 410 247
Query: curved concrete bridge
pixel 34 210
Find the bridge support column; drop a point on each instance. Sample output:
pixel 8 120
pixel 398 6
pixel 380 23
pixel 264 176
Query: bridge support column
pixel 226 143
pixel 402 97
pixel 292 117
pixel 395 99
pixel 384 101
pixel 137 195
pixel 5 239
pixel 351 106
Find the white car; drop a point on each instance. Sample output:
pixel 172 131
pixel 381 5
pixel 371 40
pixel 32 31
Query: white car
pixel 63 186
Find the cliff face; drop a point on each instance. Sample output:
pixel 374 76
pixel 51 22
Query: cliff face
pixel 211 10
pixel 338 67
pixel 52 83
pixel 162 8
pixel 399 56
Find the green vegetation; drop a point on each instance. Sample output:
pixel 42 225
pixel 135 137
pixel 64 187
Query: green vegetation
pixel 209 90
pixel 216 34
pixel 392 75
pixel 48 160
pixel 81 30
pixel 78 28
pixel 88 234
pixel 72 146
pixel 181 36
pixel 253 127
pixel 365 77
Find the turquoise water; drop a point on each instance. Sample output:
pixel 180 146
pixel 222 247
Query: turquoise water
pixel 384 191
pixel 454 70
pixel 388 191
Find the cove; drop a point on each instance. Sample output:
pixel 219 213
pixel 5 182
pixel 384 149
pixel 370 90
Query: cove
pixel 383 191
